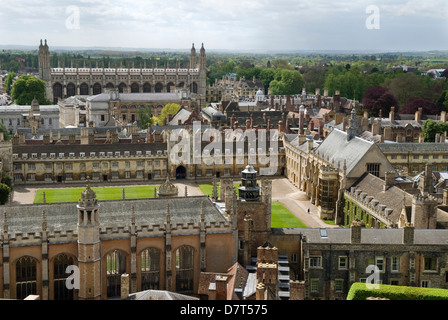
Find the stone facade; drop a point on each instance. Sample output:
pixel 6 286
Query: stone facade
pixel 66 82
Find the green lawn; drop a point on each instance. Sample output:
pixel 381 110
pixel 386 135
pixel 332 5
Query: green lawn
pixel 102 193
pixel 283 218
pixel 280 216
pixel 207 189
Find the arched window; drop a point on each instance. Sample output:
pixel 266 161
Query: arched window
pixel 57 92
pixel 60 264
pixel 84 89
pixel 150 268
pixel 96 89
pixel 184 268
pixel 168 86
pixel 115 267
pixel 71 90
pixel 146 87
pixel 26 273
pixel 135 88
pixel 122 87
pixel 181 85
pixel 159 87
pixel 110 85
pixel 194 87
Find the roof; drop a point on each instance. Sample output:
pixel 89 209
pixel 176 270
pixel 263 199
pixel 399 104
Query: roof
pixel 137 97
pixel 336 149
pixel 394 147
pixel 113 214
pixel 389 236
pixel 159 295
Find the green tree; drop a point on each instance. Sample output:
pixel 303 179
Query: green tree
pixel 430 128
pixel 169 108
pixel 26 88
pixel 145 116
pixel 6 134
pixel 5 190
pixel 286 82
pixel 9 81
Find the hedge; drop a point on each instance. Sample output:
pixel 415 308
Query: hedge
pixel 360 291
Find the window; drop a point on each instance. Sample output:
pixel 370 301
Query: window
pixel 379 262
pixel 31 166
pixel 338 285
pixel 184 268
pixel 95 165
pixel 425 284
pixel 373 168
pixel 61 292
pixel 343 263
pixel 314 285
pixel 115 266
pixel 150 268
pixel 26 277
pixel 430 264
pixel 395 264
pixel 315 262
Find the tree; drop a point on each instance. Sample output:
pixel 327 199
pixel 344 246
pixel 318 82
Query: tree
pixel 145 117
pixel 6 134
pixel 405 87
pixel 430 128
pixel 5 190
pixel 26 88
pixel 9 81
pixel 286 82
pixel 378 98
pixel 413 104
pixel 169 108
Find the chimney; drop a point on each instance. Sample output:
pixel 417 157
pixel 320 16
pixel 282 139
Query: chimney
pixel 408 234
pixel 355 231
pixel 389 180
pixel 221 287
pixel 392 114
pixel 418 114
pixel 445 197
pixel 297 290
pixel 260 292
pixel 280 126
pixel 443 116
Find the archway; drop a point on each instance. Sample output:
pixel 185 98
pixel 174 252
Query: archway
pixel 181 172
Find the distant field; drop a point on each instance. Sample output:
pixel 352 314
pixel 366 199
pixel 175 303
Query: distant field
pixel 102 193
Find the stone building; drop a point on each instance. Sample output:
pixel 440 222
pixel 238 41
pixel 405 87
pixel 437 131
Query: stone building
pixel 161 243
pixel 66 82
pixel 323 170
pixel 34 116
pixel 329 261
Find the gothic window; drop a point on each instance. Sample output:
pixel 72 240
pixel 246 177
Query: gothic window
pixel 194 87
pixel 57 92
pixel 96 89
pixel 184 268
pixel 60 264
pixel 146 87
pixel 159 87
pixel 26 277
pixel 71 90
pixel 181 85
pixel 135 88
pixel 84 89
pixel 121 87
pixel 150 268
pixel 115 267
pixel 110 85
pixel 168 86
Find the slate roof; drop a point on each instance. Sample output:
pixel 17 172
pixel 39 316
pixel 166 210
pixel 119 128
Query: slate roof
pixel 335 148
pixel 390 236
pixel 137 97
pixel 393 147
pixel 113 214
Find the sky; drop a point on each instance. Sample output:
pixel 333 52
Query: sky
pixel 236 25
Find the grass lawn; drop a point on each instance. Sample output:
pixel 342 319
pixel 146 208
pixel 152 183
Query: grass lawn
pixel 283 218
pixel 207 189
pixel 280 216
pixel 102 193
